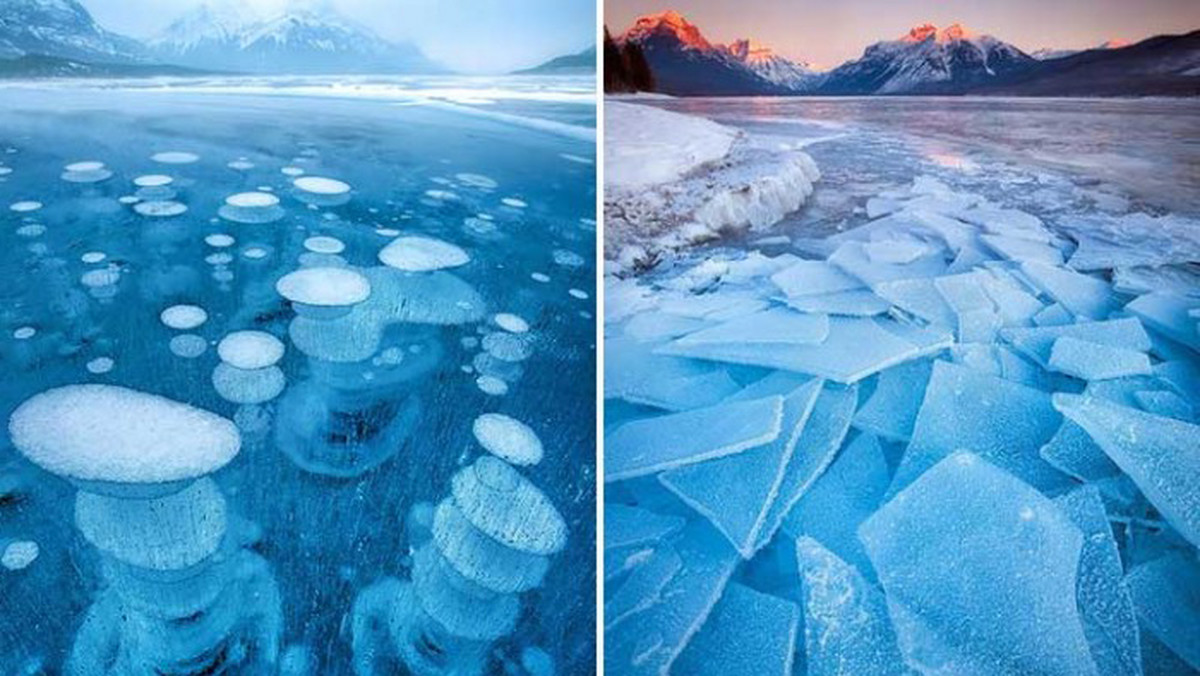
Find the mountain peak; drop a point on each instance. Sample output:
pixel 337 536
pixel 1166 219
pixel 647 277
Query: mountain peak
pixel 671 23
pixel 952 33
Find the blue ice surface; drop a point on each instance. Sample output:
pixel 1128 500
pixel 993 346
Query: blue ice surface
pixel 979 570
pixel 1001 421
pixel 324 539
pixel 1166 592
pixel 736 492
pixel 891 411
pixel 847 629
pixel 748 633
pixel 1160 455
pixel 1105 605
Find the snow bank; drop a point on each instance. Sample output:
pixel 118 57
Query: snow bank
pixel 673 180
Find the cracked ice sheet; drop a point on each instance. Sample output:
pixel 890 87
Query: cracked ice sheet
pixel 748 634
pixel 979 571
pixel 649 641
pixel 1159 454
pixel 736 492
pixel 776 326
pixel 1170 315
pixel 651 445
pixel 1003 422
pixel 1038 342
pixel 855 348
pixel 633 372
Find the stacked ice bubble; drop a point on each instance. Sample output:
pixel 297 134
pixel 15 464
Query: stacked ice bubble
pixel 951 440
pixel 181 595
pixel 487 542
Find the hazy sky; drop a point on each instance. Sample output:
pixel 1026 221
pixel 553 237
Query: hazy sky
pixel 828 32
pixel 466 35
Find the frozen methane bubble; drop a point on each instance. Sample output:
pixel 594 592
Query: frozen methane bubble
pixel 492 386
pixel 153 181
pixel 175 157
pixel 250 349
pixel 105 433
pixel 19 554
pixel 170 532
pixel 324 287
pixel 188 345
pixel 324 245
pixel 320 191
pixel 100 365
pixel 25 206
pixel 93 257
pixel 183 317
pixel 244 386
pixel 219 240
pixel 503 504
pixel 415 253
pixel 514 203
pixel 509 347
pixel 160 208
pixel 965 600
pixel 24 333
pixel 508 439
pixel 86 172
pixel 510 322
pixel 251 208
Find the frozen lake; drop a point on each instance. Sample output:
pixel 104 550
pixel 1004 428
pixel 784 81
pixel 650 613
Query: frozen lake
pixel 484 193
pixel 1149 148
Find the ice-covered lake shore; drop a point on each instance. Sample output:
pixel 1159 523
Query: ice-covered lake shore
pixel 942 419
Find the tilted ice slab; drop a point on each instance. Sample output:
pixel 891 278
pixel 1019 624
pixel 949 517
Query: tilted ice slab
pixel 748 633
pixel 1037 343
pixel 1001 421
pixel 112 434
pixel 625 525
pixel 1160 455
pixel 855 348
pixel 1103 596
pixel 1137 239
pixel 846 625
pixel 736 492
pixel 641 589
pixel 1082 295
pixel 892 409
pixel 979 571
pixel 1166 592
pixel 775 326
pixel 650 445
pixel 1171 315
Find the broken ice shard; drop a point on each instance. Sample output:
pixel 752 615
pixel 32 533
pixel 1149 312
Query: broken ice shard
pixel 1003 422
pixel 748 634
pixel 847 630
pixel 650 445
pixel 1159 454
pixel 979 571
pixel 1167 594
pixel 1092 361
pixel 736 492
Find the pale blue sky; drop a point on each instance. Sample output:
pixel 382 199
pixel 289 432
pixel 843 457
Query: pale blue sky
pixel 466 35
pixel 828 32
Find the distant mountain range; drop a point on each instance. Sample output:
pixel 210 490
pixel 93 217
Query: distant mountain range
pixel 59 38
pixel 572 64
pixel 927 60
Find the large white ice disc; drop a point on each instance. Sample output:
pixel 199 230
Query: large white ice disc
pixel 250 349
pixel 422 254
pixel 324 287
pixel 497 500
pixel 508 439
pixel 113 434
pixel 165 533
pixel 481 559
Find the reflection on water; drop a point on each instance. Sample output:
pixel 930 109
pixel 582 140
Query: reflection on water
pixel 222 250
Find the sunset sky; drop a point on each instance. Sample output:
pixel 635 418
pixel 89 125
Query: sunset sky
pixel 828 32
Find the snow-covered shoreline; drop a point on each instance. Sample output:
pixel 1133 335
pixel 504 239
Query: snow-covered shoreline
pixel 672 181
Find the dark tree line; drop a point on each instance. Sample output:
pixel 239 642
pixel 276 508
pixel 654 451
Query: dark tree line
pixel 625 67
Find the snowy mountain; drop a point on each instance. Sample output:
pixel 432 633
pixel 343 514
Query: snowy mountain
pixel 928 60
pixel 1048 53
pixel 684 62
pixel 772 67
pixel 305 38
pixel 60 29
